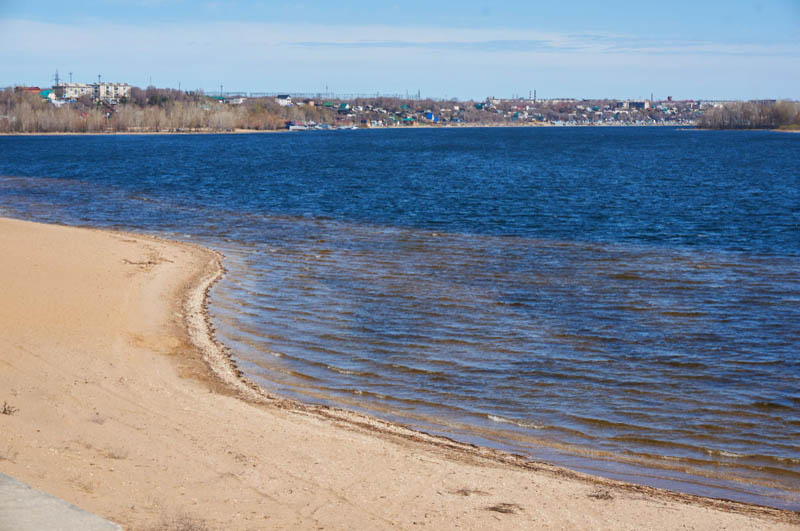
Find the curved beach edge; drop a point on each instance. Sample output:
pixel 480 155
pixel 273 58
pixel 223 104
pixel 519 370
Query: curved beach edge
pixel 223 369
pixel 117 398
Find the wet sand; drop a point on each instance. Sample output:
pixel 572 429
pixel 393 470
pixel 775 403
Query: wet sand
pixel 122 404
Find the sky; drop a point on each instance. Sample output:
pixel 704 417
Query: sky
pixel 467 49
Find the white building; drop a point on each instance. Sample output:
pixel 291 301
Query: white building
pixel 70 91
pixel 98 91
pixel 109 91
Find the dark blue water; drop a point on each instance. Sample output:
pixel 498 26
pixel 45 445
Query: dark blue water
pixel 622 301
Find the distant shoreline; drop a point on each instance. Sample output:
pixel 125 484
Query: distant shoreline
pixel 418 126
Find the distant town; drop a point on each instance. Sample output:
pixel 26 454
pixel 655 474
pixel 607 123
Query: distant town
pixel 119 107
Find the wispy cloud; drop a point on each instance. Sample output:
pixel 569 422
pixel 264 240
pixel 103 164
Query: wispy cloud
pixel 455 61
pixel 597 44
pixel 140 3
pixel 250 38
pixel 482 46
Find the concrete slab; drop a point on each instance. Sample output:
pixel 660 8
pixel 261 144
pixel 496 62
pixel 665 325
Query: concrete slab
pixel 23 508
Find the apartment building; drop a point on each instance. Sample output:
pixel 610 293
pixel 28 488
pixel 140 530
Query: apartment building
pixel 98 91
pixel 72 91
pixel 108 91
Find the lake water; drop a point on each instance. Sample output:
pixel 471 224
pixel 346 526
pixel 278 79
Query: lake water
pixel 621 301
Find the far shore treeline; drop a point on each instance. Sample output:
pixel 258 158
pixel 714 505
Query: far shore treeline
pixel 146 110
pixel 169 110
pixel 752 115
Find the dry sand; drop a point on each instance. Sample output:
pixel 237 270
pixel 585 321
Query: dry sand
pixel 120 412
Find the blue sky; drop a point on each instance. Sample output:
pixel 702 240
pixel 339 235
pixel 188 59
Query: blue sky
pixel 706 49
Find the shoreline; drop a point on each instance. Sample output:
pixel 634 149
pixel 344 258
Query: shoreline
pixel 417 126
pixel 419 473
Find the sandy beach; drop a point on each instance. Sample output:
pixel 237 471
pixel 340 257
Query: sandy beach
pixel 119 401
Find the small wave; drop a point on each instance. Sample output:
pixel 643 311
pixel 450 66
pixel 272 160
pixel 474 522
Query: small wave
pixel 341 371
pixel 684 364
pixel 723 453
pixel 631 308
pixel 767 405
pixel 607 424
pixel 626 276
pixel 347 372
pixel 502 420
pixel 686 313
pixel 647 441
pixel 414 370
pixel 141 198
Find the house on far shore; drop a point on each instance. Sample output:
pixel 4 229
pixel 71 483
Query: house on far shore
pixel 28 90
pixel 46 94
pixel 284 100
